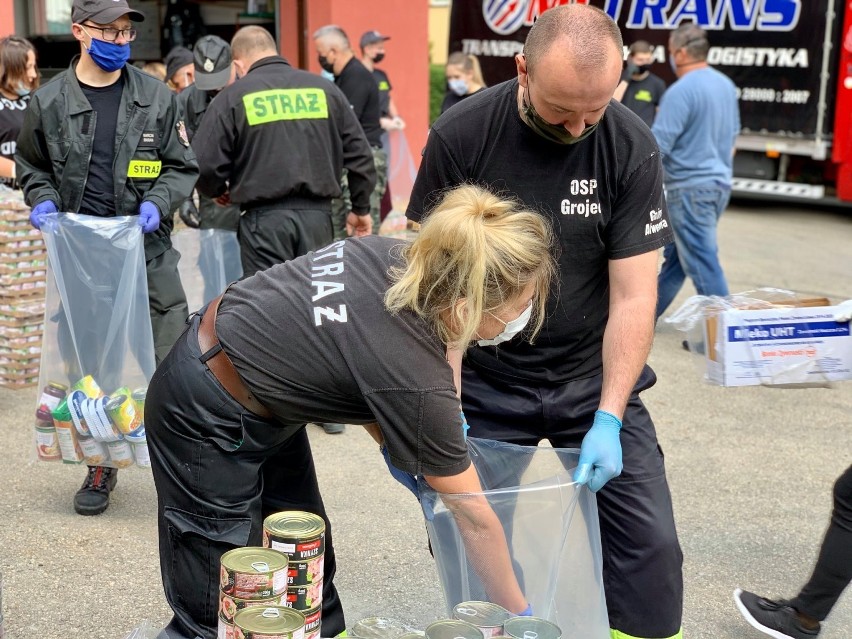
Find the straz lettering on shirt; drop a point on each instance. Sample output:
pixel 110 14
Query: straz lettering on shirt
pixel 657 222
pixel 327 268
pixel 144 169
pixel 275 105
pixel 579 205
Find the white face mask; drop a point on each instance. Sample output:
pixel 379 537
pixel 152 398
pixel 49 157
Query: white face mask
pixel 512 328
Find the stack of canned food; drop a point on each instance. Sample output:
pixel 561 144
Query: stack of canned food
pixel 255 579
pixel 82 424
pixel 300 536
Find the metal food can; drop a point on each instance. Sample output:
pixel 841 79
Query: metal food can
pixel 411 635
pixel 138 397
pixel 313 622
pixel 253 573
pixel 272 622
pixel 486 616
pixel 93 451
pixel 66 435
pixel 298 534
pixel 122 412
pixel 304 597
pixel 531 628
pixel 378 628
pixel 453 629
pixel 75 409
pixel 120 453
pixel 225 630
pixel 47 445
pixel 304 573
pixel 89 387
pixel 229 606
pixel 140 450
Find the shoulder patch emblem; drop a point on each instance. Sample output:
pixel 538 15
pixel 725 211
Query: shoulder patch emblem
pixel 181 131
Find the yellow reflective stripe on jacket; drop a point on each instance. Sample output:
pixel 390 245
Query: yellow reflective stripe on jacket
pixel 617 634
pixel 144 169
pixel 274 105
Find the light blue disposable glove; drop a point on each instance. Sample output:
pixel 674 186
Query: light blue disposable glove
pixel 465 426
pixel 406 479
pixel 149 217
pixel 527 611
pixel 600 453
pixel 40 212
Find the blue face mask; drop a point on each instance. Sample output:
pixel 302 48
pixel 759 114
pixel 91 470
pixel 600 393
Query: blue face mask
pixel 109 56
pixel 22 89
pixel 327 75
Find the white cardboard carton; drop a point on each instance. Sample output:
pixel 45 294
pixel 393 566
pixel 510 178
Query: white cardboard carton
pixel 779 346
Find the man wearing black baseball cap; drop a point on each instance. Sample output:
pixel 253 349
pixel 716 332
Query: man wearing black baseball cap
pixel 372 52
pixel 105 139
pixel 180 70
pixel 220 250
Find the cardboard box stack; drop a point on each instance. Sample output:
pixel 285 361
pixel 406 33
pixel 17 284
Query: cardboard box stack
pixel 23 264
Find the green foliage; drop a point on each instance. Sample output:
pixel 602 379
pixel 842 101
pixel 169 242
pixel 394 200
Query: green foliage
pixel 437 90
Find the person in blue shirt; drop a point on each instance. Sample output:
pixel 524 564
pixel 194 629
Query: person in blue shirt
pixel 696 127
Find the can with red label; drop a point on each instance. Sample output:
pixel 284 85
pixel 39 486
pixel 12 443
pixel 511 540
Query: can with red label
pixel 229 606
pixel 304 573
pixel 304 597
pixel 272 622
pixel 313 622
pixel 299 535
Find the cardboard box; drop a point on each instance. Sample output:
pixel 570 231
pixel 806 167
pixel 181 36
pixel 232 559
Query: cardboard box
pixel 777 346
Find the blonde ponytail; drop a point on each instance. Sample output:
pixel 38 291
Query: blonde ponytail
pixel 474 253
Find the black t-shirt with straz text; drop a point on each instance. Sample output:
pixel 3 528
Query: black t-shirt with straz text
pixel 313 341
pixel 643 97
pixel 11 121
pixel 603 195
pixel 99 194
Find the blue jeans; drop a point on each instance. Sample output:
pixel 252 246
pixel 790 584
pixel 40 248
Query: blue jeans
pixel 694 214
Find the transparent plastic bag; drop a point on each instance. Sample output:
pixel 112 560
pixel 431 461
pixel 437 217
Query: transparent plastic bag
pixel 401 174
pixel 98 349
pixel 146 630
pixel 551 525
pixel 768 337
pixel 210 260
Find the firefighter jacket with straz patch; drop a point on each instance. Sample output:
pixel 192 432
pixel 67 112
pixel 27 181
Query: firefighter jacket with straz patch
pixel 153 159
pixel 279 133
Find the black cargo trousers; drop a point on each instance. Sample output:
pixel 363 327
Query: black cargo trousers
pixel 219 470
pixel 642 559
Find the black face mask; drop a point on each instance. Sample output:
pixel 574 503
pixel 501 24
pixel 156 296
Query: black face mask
pixel 644 67
pixel 325 64
pixel 379 57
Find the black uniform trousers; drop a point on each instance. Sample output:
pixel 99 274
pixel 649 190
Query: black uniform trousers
pixel 219 470
pixel 272 234
pixel 642 559
pixel 833 570
pixel 166 301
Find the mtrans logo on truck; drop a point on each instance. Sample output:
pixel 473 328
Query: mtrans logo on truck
pixel 507 16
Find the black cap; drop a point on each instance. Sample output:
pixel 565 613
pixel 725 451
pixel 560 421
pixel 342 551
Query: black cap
pixel 212 63
pixel 371 37
pixel 103 11
pixel 176 59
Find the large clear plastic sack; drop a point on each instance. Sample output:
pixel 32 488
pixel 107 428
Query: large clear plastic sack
pixel 98 349
pixel 550 523
pixel 401 173
pixel 210 260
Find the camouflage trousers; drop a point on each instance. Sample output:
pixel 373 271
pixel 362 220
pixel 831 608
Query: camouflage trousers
pixel 340 207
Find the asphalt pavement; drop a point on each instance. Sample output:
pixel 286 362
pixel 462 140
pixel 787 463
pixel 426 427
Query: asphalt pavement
pixel 751 471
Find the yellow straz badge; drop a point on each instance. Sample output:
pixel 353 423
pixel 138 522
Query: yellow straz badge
pixel 275 105
pixel 143 169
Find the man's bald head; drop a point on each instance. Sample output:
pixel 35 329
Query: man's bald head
pixel 251 44
pixel 585 35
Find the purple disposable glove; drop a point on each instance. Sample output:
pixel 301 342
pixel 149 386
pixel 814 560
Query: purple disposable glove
pixel 149 217
pixel 40 212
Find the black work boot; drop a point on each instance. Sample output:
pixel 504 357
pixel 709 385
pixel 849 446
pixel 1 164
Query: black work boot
pixel 93 496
